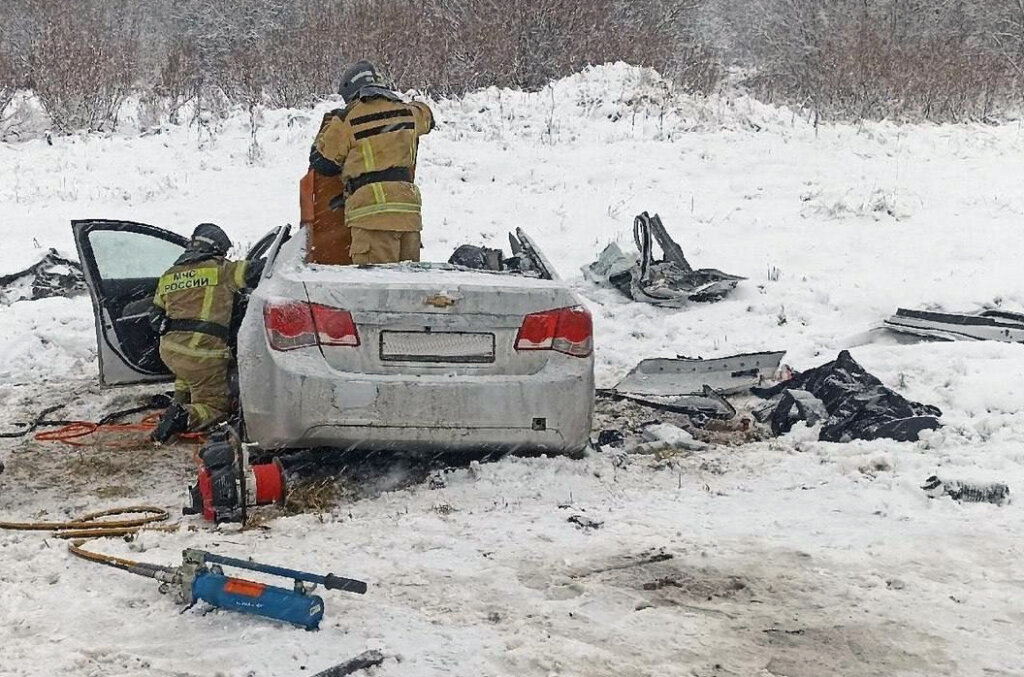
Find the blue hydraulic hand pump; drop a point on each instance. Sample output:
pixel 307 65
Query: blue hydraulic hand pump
pixel 201 577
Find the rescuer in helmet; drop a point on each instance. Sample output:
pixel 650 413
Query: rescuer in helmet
pixel 372 144
pixel 192 314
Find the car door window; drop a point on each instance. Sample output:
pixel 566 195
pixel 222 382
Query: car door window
pixel 122 254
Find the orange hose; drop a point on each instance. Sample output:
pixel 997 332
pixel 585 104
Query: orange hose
pixel 73 433
pixel 68 432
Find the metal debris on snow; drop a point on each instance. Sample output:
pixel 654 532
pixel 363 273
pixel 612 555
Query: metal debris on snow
pixel 995 493
pixel 988 325
pixel 671 282
pixel 52 275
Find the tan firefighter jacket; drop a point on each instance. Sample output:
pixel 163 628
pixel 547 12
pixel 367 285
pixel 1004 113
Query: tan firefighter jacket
pixel 197 299
pixel 372 144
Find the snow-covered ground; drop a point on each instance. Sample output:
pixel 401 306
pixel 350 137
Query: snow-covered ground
pixel 790 557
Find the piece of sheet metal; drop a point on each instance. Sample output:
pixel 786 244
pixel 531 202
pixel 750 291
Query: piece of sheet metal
pixel 989 325
pixel 706 403
pixel 688 376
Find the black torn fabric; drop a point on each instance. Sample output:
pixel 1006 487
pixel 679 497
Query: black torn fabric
pixel 790 407
pixel 858 405
pixel 477 258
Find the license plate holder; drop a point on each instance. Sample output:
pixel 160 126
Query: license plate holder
pixel 437 347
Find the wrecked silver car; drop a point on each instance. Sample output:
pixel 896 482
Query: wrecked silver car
pixel 413 356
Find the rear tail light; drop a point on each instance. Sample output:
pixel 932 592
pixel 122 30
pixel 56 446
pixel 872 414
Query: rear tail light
pixel 294 324
pixel 334 327
pixel 289 325
pixel 566 330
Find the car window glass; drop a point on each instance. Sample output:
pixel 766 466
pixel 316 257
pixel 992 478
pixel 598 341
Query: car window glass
pixel 123 254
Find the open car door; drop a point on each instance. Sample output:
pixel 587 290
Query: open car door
pixel 122 262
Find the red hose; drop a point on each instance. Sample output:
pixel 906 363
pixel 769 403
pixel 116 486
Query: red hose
pixel 73 433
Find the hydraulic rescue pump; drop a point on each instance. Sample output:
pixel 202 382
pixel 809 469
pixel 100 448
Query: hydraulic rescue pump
pixel 201 577
pixel 228 485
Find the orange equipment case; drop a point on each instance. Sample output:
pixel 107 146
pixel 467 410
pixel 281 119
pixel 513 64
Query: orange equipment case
pixel 329 239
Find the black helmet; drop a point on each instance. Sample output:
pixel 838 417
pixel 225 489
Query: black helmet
pixel 210 237
pixel 362 79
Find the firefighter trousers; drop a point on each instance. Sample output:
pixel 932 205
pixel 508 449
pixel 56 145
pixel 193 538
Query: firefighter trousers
pixel 384 246
pixel 201 385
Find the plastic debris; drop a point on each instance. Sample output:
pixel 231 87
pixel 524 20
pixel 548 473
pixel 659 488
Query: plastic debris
pixel 671 436
pixel 364 661
pixel 708 404
pixel 689 376
pixel 611 438
pixel 52 275
pixel 584 522
pixel 995 493
pixel 988 325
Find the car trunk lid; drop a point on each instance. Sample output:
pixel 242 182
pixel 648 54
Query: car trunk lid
pixel 433 320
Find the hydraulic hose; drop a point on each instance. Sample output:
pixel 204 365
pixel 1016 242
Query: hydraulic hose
pixel 92 525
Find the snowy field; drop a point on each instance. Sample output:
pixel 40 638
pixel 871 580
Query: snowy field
pixel 791 557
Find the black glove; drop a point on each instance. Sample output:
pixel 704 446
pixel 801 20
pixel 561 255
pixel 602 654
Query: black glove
pixel 158 320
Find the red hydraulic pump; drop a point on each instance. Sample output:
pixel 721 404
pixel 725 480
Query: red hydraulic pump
pixel 228 486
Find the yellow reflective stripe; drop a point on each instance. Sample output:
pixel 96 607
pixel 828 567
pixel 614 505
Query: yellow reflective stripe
pixel 191 351
pixel 371 165
pixel 386 208
pixel 180 385
pixel 368 160
pixel 202 412
pixel 240 269
pixel 204 314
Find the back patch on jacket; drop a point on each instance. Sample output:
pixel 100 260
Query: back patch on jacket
pixel 184 280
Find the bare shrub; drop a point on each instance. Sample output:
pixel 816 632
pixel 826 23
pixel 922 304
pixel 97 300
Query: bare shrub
pixel 304 56
pixel 411 40
pixel 849 59
pixel 179 80
pixel 453 46
pixel 671 36
pixel 82 58
pixel 934 79
pixel 852 60
pixel 539 40
pixel 1008 32
pixel 82 62
pixel 8 84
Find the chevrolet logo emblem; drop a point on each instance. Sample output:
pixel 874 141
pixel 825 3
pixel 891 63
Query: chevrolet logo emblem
pixel 440 301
